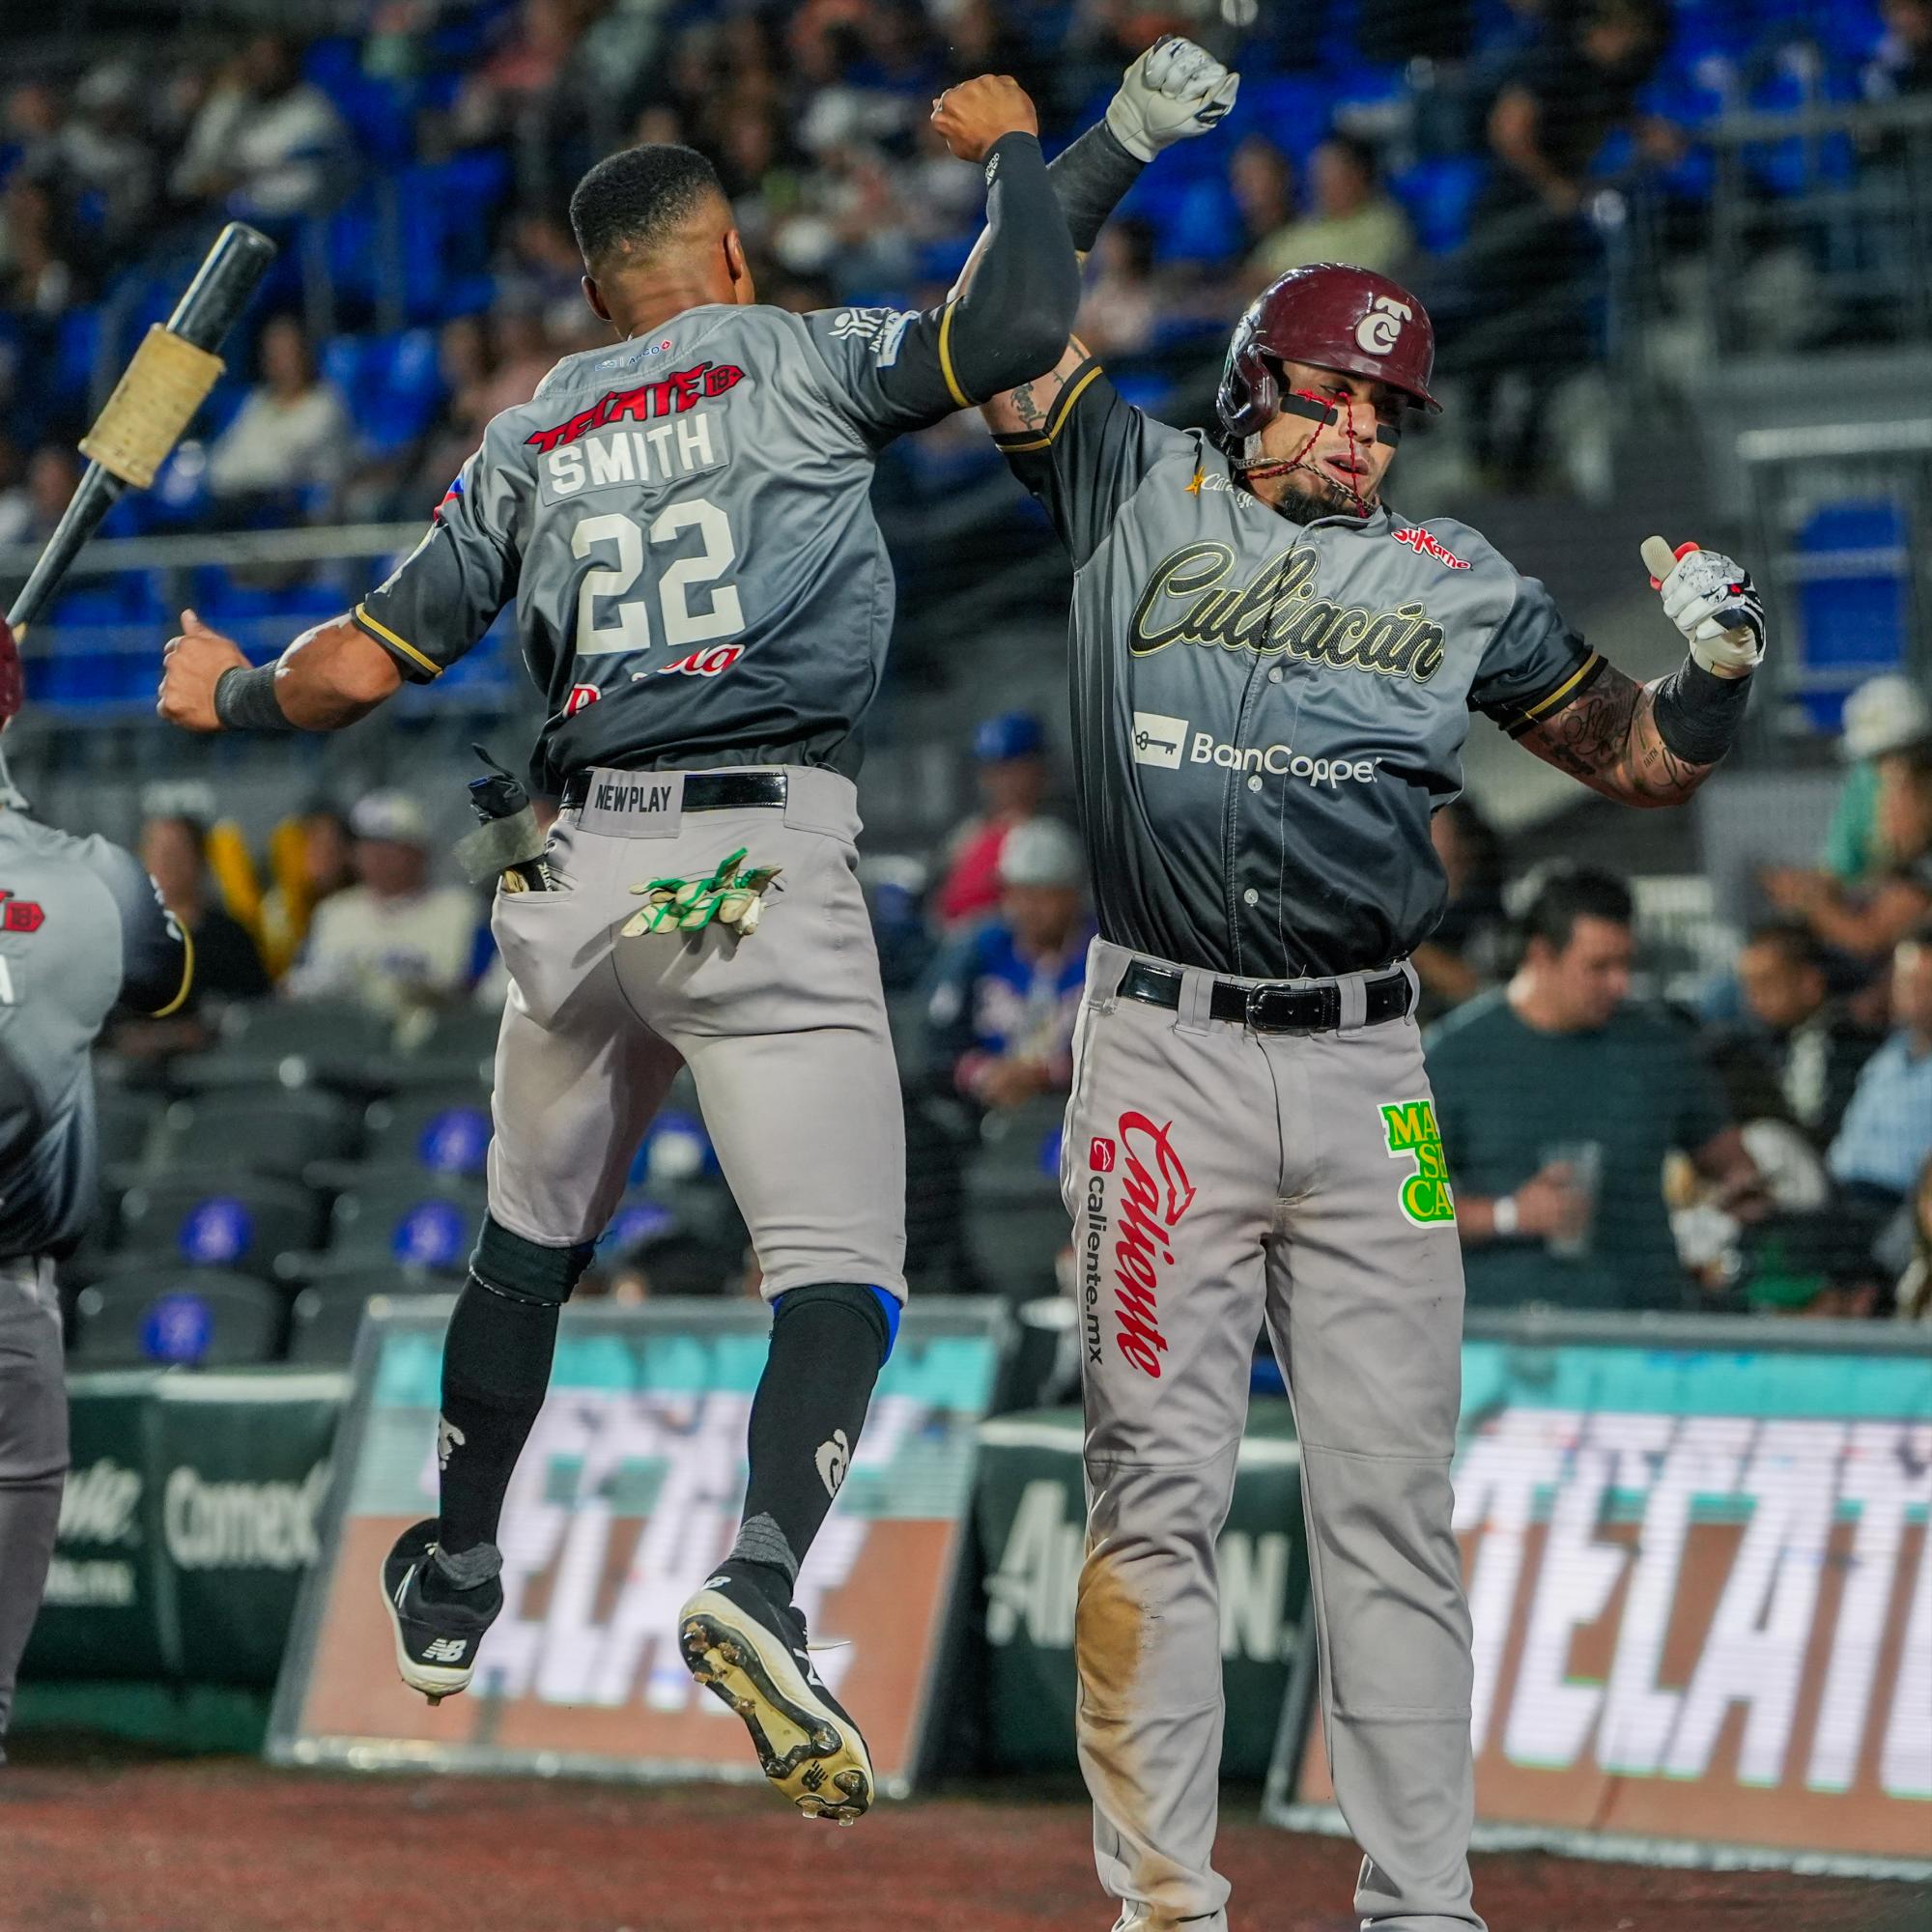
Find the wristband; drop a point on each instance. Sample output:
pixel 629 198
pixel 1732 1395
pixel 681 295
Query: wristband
pixel 1090 177
pixel 1698 713
pixel 245 700
pixel 1505 1216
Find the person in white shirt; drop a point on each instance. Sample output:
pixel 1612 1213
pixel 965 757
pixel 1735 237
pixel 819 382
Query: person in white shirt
pixel 265 139
pixel 392 940
pixel 292 434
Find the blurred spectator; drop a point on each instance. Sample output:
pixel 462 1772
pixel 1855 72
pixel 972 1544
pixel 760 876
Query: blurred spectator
pixel 1011 754
pixel 1803 1045
pixel 30 511
pixel 312 859
pixel 107 152
pixel 38 250
pixel 1465 951
pixel 1004 996
pixel 227 966
pixel 1558 1098
pixel 1883 715
pixel 289 439
pixel 265 140
pixel 1123 304
pixel 1868 919
pixel 17 501
pixel 392 939
pixel 1555 109
pixel 1915 1286
pixel 1805 1264
pixel 520 355
pixel 1886 1135
pixel 1262 180
pixel 1352 218
pixel 1902 64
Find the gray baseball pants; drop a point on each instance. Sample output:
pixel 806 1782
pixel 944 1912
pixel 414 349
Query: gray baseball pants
pixel 784 1033
pixel 1220 1179
pixel 32 1455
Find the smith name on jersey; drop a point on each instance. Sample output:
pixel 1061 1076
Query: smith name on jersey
pixel 1267 714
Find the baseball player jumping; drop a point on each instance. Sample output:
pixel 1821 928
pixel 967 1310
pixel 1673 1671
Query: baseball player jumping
pixel 683 524
pixel 1272 674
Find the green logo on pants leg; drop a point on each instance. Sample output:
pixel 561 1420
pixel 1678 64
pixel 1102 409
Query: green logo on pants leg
pixel 1412 1131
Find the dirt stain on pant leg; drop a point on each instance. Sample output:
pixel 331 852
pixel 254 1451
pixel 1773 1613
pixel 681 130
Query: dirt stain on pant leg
pixel 1109 1635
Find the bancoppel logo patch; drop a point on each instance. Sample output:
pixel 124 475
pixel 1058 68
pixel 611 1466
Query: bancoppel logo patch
pixel 1281 762
pixel 1158 739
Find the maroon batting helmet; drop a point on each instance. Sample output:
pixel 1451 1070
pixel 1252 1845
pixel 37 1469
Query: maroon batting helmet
pixel 1337 318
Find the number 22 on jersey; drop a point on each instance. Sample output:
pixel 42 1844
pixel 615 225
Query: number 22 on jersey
pixel 626 621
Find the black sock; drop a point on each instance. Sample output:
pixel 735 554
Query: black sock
pixel 828 1345
pixel 495 1367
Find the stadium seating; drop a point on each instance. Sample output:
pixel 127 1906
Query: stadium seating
pixel 1015 1222
pixel 252 1130
pixel 239 1221
pixel 204 1318
pixel 326 1312
pixel 429 1222
pixel 293 1042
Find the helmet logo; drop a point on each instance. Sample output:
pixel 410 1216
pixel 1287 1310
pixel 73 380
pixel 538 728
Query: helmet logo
pixel 1376 331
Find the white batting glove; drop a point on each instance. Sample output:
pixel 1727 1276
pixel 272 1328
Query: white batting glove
pixel 1711 599
pixel 1172 91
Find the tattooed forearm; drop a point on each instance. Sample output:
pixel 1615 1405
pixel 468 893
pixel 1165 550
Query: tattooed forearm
pixel 1029 411
pixel 1608 738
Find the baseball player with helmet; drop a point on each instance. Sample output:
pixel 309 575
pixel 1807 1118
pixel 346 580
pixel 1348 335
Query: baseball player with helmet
pixel 683 524
pixel 81 929
pixel 1272 674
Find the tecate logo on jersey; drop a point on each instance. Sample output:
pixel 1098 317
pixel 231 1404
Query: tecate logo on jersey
pixel 704 664
pixel 1170 741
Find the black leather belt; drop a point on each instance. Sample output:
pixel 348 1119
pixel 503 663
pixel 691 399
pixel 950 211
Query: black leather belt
pixel 704 791
pixel 1270 1007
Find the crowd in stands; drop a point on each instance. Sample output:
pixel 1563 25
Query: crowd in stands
pixel 417 174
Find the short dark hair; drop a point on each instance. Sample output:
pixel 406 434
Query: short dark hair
pixel 1792 938
pixel 1556 897
pixel 635 200
pixel 1368 163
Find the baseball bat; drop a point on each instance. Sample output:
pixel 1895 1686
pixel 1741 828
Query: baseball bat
pixel 154 401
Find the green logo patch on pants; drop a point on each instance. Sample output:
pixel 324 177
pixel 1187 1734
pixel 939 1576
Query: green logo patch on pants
pixel 1412 1131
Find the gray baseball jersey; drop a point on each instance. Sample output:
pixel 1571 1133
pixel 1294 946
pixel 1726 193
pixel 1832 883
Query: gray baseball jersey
pixel 684 523
pixel 80 928
pixel 1266 715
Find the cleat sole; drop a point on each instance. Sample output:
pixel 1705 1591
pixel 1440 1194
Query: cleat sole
pixel 801 1750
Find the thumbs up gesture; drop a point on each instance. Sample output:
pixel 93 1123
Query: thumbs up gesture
pixel 192 666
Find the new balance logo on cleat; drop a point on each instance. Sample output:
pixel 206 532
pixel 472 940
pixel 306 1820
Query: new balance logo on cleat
pixel 446 1650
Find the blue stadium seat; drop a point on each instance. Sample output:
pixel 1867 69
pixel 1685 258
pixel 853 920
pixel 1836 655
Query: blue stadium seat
pixel 1853 622
pixel 1438 197
pixel 202 1319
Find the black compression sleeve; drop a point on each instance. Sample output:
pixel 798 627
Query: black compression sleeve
pixel 1699 714
pixel 1013 320
pixel 1090 178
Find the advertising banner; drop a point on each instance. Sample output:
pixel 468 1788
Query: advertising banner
pixel 1701 1585
pixel 187 1524
pixel 1030 1517
pixel 628 1493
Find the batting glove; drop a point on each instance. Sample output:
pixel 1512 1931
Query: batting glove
pixel 1172 91
pixel 1711 599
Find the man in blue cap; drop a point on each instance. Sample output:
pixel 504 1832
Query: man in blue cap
pixel 1011 755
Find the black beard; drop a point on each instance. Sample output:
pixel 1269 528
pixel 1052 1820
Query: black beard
pixel 1298 506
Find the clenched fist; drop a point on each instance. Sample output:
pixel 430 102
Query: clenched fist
pixel 972 116
pixel 192 666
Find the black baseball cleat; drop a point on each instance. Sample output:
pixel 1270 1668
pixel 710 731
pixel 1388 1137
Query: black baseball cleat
pixel 750 1651
pixel 438 1632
